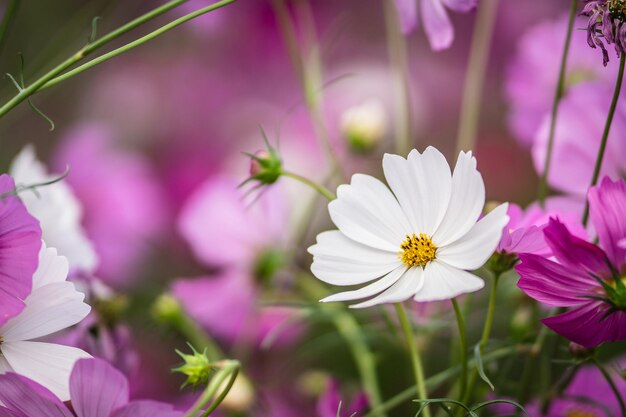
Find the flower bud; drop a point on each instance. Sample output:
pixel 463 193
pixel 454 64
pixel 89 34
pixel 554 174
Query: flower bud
pixel 196 366
pixel 241 395
pixel 364 126
pixel 166 309
pixel 579 351
pixel 265 166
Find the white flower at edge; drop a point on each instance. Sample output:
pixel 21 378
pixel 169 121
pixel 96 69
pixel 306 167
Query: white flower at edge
pixel 53 305
pixel 57 209
pixel 415 240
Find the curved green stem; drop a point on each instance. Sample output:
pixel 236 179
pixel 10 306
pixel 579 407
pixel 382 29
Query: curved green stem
pixel 416 361
pixel 230 368
pixel 135 43
pixel 558 95
pixel 397 50
pixel 54 76
pixel 475 75
pixel 317 187
pixel 609 380
pixel 485 336
pixel 463 339
pixel 607 130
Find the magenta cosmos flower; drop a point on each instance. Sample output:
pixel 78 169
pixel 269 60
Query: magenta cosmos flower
pixel 436 22
pixel 588 279
pixel 20 241
pixel 97 390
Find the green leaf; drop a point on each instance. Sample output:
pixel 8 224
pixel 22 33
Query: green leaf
pixel 480 368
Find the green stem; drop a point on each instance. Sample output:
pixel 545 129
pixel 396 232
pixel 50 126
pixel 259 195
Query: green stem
pixel 416 361
pixel 54 76
pixel 607 130
pixel 317 187
pixel 9 12
pixel 396 46
pixel 348 327
pixel 230 369
pixel 475 75
pixel 485 336
pixel 135 43
pixel 463 339
pixel 609 380
pixel 438 379
pixel 542 191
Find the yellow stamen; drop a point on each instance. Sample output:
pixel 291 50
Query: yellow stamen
pixel 575 412
pixel 417 250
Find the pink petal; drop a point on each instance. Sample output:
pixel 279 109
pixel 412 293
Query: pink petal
pixel 97 388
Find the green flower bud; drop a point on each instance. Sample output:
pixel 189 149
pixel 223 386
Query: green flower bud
pixel 166 309
pixel 364 126
pixel 266 166
pixel 196 366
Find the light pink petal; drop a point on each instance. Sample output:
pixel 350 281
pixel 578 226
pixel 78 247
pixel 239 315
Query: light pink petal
pixel 437 24
pixel 97 388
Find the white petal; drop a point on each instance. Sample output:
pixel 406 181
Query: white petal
pixel 48 364
pixel 4 365
pixel 443 282
pixel 369 290
pixel 49 309
pixel 403 289
pixel 51 268
pixel 472 250
pixel 339 260
pixel 367 212
pixel 434 185
pixel 399 176
pixel 57 209
pixel 466 201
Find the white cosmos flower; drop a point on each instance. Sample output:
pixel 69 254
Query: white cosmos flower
pixel 53 305
pixel 57 209
pixel 415 240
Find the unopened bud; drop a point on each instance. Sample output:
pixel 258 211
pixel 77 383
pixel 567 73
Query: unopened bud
pixel 579 351
pixel 241 395
pixel 196 366
pixel 265 166
pixel 166 308
pixel 364 126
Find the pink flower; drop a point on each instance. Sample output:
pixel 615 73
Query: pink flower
pixel 96 388
pixel 20 241
pixel 330 404
pixel 436 22
pixel 588 279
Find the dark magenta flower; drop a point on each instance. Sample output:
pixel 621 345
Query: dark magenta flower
pixel 20 241
pixel 606 20
pixel 96 388
pixel 586 278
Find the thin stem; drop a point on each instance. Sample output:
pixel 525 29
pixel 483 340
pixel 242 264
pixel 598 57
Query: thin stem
pixel 463 339
pixel 44 80
pixel 135 43
pixel 416 361
pixel 230 369
pixel 607 130
pixel 437 379
pixel 9 12
pixel 475 75
pixel 396 46
pixel 609 380
pixel 317 187
pixel 558 95
pixel 485 336
pixel 348 327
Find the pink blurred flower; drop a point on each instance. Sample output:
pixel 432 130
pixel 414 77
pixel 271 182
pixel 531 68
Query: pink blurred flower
pixel 587 278
pixel 20 240
pixel 330 404
pixel 533 72
pixel 579 130
pixel 96 388
pixel 124 209
pixel 435 19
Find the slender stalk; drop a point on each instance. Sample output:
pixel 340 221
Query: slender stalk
pixel 48 79
pixel 9 12
pixel 437 379
pixel 348 327
pixel 485 336
pixel 463 339
pixel 396 46
pixel 230 369
pixel 135 43
pixel 317 187
pixel 607 130
pixel 609 380
pixel 416 361
pixel 475 75
pixel 558 95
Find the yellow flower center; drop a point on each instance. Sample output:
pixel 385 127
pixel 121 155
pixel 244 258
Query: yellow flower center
pixel 617 8
pixel 417 250
pixel 576 412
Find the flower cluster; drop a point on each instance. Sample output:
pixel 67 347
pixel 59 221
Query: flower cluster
pixel 607 23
